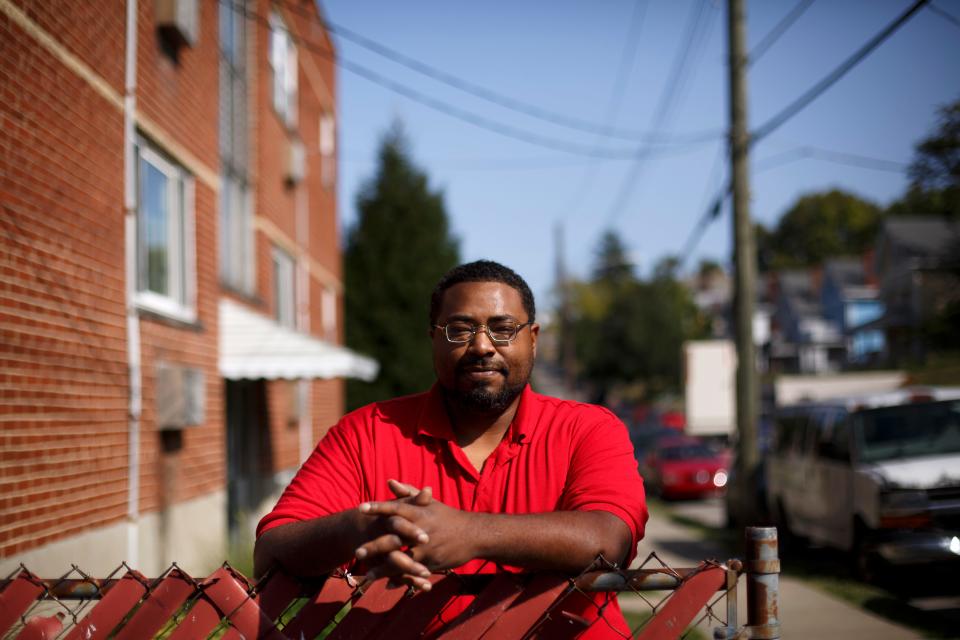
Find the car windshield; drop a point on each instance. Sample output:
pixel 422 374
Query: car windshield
pixel 909 430
pixel 687 452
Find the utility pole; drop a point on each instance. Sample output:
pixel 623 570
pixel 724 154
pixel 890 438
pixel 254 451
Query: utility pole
pixel 744 268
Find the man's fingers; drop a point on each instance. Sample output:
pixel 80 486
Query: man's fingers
pixel 379 546
pixel 402 489
pixel 391 508
pixel 407 530
pixel 398 563
pixel 414 582
pixel 423 498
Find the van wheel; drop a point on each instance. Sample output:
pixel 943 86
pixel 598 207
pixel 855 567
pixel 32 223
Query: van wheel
pixel 787 539
pixel 865 563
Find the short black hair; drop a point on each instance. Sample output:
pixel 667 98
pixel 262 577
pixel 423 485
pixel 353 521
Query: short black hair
pixel 482 271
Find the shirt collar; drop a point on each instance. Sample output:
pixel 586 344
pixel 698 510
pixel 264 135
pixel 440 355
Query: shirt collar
pixel 435 423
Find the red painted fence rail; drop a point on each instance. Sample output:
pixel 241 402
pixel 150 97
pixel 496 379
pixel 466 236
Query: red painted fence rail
pixel 226 604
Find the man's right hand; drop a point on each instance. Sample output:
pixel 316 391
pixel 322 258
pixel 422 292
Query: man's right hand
pixel 392 537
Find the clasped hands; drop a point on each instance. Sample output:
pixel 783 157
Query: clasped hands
pixel 412 535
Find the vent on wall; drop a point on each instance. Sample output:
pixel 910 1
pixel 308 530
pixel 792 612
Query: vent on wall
pixel 297 161
pixel 178 21
pixel 181 397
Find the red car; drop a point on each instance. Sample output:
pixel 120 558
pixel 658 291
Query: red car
pixel 685 467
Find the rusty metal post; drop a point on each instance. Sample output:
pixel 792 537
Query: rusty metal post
pixel 731 631
pixel 763 583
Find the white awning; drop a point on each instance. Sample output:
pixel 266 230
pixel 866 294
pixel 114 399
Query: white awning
pixel 253 346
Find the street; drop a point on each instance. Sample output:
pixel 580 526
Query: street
pixel 676 533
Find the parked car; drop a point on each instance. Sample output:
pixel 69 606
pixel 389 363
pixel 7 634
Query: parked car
pixel 685 467
pixel 876 475
pixel 645 438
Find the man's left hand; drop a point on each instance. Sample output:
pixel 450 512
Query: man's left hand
pixel 450 538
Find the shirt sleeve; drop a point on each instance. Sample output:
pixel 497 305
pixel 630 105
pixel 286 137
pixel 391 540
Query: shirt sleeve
pixel 330 481
pixel 603 475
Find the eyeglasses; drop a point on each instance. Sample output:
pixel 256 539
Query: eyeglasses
pixel 499 331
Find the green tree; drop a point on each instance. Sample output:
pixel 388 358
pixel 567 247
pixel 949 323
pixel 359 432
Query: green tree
pixel 629 332
pixel 399 247
pixel 935 170
pixel 819 226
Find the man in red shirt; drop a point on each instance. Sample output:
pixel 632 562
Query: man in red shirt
pixel 478 474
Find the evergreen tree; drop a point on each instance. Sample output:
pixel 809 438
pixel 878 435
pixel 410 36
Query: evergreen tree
pixel 395 253
pixel 629 331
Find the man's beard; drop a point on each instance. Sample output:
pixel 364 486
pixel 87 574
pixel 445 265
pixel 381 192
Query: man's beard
pixel 482 399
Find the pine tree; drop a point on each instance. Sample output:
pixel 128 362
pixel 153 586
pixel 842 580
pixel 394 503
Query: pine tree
pixel 395 253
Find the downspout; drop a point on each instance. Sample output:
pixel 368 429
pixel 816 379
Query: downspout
pixel 135 399
pixel 302 214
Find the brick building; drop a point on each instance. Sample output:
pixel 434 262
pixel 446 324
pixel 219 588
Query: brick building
pixel 170 288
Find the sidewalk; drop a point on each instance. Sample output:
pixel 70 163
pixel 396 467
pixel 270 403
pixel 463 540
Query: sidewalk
pixel 804 611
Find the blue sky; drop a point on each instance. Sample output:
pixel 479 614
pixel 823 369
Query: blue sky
pixel 505 196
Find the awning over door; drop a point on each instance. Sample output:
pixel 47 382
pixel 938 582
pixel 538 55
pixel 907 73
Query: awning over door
pixel 253 346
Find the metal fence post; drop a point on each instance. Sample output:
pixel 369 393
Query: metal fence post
pixel 763 583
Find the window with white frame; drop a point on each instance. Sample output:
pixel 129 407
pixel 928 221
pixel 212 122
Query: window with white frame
pixel 328 150
pixel 236 224
pixel 328 313
pixel 283 63
pixel 284 288
pixel 165 264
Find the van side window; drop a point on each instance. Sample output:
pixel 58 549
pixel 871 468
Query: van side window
pixel 790 434
pixel 833 442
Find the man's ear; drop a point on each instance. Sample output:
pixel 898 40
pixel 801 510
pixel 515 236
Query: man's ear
pixel 534 334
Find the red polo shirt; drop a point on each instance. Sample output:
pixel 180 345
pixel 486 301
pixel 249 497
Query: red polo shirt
pixel 558 455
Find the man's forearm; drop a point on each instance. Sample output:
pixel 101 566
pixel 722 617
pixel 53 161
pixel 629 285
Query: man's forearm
pixel 311 547
pixel 567 541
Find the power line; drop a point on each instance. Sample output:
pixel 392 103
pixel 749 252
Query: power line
pixel 949 17
pixel 627 61
pixel 837 157
pixel 692 45
pixel 441 106
pixel 767 41
pixel 830 79
pixel 802 153
pixel 494 97
pixel 712 212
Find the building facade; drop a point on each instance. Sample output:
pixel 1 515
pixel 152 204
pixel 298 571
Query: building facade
pixel 170 277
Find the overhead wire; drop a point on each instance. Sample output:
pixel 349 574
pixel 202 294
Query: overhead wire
pixel 712 209
pixel 949 17
pixel 795 107
pixel 790 156
pixel 831 78
pixel 625 67
pixel 453 111
pixel 778 30
pixel 836 157
pixel 691 47
pixel 500 99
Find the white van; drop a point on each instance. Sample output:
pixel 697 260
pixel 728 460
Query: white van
pixel 878 475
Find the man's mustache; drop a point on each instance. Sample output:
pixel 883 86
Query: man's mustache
pixel 481 364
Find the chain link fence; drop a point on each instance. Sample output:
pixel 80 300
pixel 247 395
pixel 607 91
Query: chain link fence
pixel 659 601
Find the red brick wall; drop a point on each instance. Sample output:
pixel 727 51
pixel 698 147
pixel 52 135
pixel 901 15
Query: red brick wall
pixel 327 406
pixel 63 351
pixel 63 371
pixel 96 37
pixel 277 201
pixel 181 98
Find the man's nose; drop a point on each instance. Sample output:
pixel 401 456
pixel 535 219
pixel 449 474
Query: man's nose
pixel 481 342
